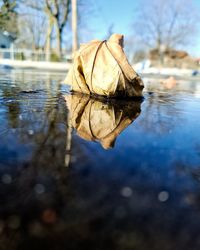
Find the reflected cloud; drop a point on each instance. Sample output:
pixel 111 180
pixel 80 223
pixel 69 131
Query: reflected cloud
pixel 99 119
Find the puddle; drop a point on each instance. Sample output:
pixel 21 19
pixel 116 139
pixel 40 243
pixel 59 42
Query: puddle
pixel 79 173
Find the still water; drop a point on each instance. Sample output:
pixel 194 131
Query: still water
pixel 80 173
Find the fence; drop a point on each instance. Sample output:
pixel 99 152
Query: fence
pixel 31 55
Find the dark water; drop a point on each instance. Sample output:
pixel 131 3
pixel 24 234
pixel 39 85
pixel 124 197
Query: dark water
pixel 108 175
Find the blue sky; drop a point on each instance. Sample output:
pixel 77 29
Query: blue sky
pixel 120 14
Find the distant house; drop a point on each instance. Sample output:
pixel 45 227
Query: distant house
pixel 171 58
pixel 6 40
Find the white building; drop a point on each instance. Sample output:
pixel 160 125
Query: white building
pixel 6 40
pixel 6 44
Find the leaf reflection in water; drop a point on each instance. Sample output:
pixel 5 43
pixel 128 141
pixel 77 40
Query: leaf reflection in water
pixel 99 119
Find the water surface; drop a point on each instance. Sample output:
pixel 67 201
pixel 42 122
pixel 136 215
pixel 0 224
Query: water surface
pixel 80 173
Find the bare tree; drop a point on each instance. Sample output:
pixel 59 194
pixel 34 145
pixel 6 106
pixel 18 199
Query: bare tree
pixel 32 30
pixel 58 12
pixel 44 22
pixel 33 24
pixel 166 24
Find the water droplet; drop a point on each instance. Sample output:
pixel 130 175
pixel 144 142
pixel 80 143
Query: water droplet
pixel 126 192
pixel 6 179
pixel 49 216
pixel 30 132
pixel 39 188
pixel 163 196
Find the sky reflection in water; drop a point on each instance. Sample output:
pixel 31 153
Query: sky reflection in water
pixel 61 189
